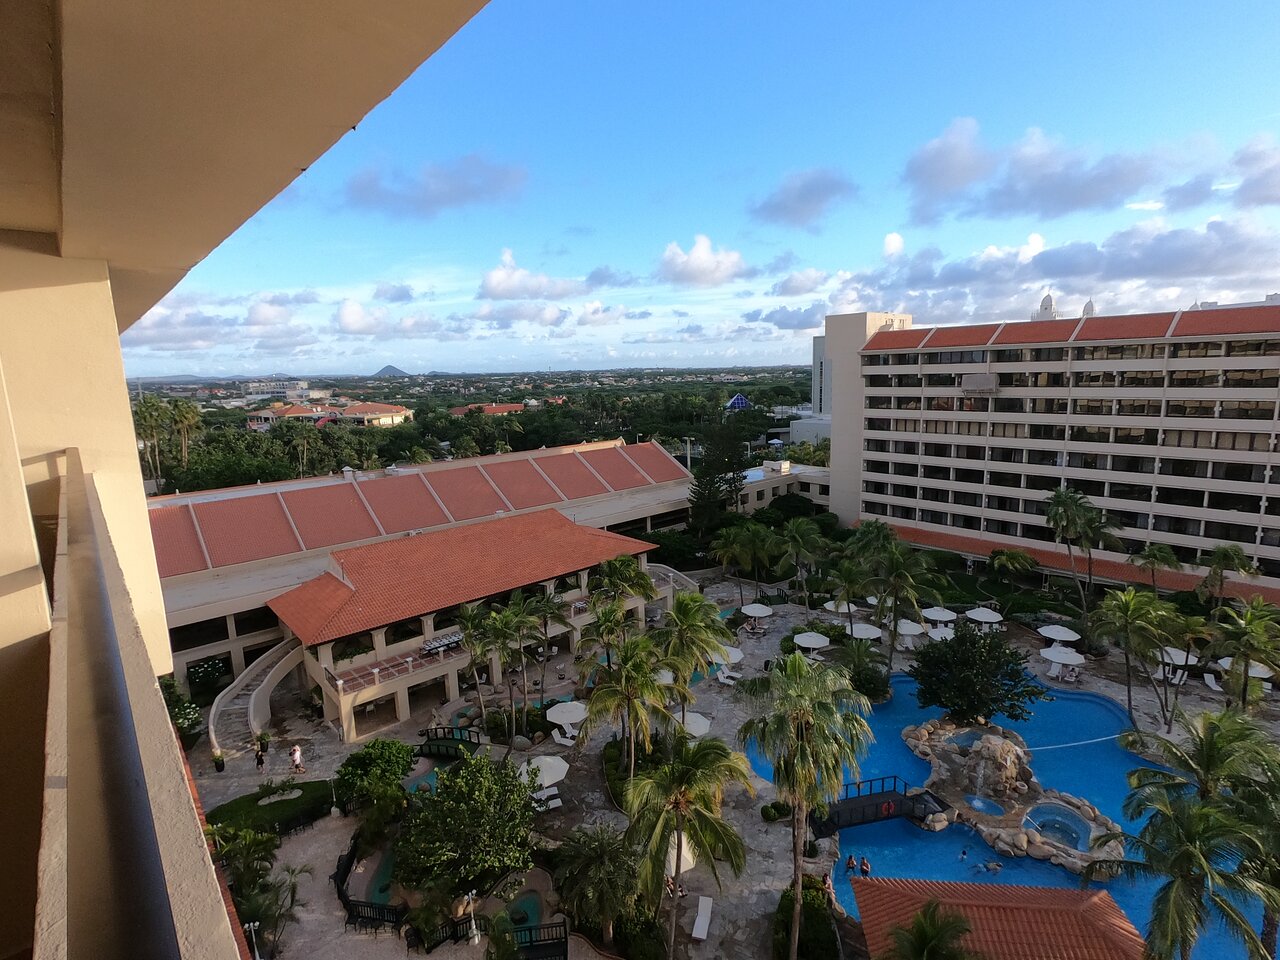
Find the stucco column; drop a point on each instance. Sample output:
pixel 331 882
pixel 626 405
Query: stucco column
pixel 348 722
pixel 495 669
pixel 575 637
pixel 380 642
pixel 237 659
pixel 451 685
pixel 402 704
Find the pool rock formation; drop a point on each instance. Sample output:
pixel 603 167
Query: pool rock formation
pixel 989 761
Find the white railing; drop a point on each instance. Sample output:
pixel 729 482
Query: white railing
pixel 674 577
pixel 260 699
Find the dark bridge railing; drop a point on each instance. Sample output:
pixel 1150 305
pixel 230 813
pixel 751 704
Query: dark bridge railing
pixel 862 788
pixel 869 801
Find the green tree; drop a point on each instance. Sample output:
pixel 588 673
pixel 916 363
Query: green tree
pixel 597 876
pixel 975 675
pixel 1155 557
pixel 620 578
pixel 801 542
pixel 691 635
pixel 1221 560
pixel 1131 619
pixel 1250 636
pixel 608 628
pixel 152 418
pixel 1097 529
pixel 1066 513
pixel 301 438
pixel 900 581
pixel 1009 563
pixel 465 448
pixel 732 550
pixel 932 934
pixel 471 830
pixel 811 724
pixel 763 546
pixel 681 799
pixel 865 666
pixel 511 628
pixel 851 579
pixel 186 422
pixel 628 693
pixel 502 943
pixel 478 645
pixel 548 609
pixel 371 777
pixel 246 854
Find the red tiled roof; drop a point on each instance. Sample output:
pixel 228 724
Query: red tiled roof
pixel 465 493
pixel 396 579
pixel 615 469
pixel 372 409
pixel 402 503
pixel 521 483
pixel 1055 558
pixel 571 476
pixel 1036 331
pixel 173 531
pixel 489 409
pixel 330 514
pixel 245 528
pixel 897 339
pixel 1216 322
pixel 1137 326
pixel 961 335
pixel 654 461
pixel 291 410
pixel 1007 922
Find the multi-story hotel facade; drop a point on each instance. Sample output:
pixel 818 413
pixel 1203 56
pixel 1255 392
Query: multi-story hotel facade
pixel 956 435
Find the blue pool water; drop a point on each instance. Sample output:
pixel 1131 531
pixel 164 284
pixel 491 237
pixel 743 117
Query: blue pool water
pixel 985 805
pixel 726 614
pixel 425 782
pixel 380 883
pixel 528 903
pixel 1092 770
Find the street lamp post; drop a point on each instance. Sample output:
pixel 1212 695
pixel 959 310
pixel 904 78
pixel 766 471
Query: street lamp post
pixel 474 937
pixel 334 811
pixel 252 930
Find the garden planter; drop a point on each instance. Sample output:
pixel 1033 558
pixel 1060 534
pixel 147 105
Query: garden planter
pixel 190 738
pixel 219 764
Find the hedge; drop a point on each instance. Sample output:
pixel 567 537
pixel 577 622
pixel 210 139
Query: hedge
pixel 817 933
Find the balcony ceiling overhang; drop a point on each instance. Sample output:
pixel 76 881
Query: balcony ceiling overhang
pixel 145 133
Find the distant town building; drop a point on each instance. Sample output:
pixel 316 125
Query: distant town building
pixel 356 414
pixel 820 392
pixel 274 388
pixel 488 409
pixel 375 414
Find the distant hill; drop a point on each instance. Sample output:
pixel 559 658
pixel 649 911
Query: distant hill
pixel 390 371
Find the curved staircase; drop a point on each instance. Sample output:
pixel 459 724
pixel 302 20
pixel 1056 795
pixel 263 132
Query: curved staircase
pixel 229 728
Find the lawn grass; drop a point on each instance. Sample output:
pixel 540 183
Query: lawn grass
pixel 315 802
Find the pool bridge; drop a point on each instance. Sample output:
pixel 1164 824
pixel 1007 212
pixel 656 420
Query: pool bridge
pixel 548 941
pixel 448 743
pixel 870 801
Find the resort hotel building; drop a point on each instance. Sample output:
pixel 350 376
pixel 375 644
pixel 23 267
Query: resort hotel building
pixel 955 435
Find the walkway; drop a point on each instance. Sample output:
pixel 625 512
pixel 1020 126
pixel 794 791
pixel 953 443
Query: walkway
pixel 229 717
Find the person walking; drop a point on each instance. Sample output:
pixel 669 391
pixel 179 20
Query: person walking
pixel 259 760
pixel 295 755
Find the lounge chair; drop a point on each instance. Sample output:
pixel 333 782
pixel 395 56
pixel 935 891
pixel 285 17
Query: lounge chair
pixel 553 804
pixel 1055 671
pixel 702 922
pixel 1211 681
pixel 562 740
pixel 1176 677
pixel 1266 686
pixel 548 794
pixel 726 681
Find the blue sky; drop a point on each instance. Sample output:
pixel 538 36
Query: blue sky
pixel 586 184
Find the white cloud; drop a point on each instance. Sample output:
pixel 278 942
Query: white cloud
pixel 804 198
pixel 1145 205
pixel 799 283
pixel 510 282
pixel 437 187
pixel 893 244
pixel 702 266
pixel 596 314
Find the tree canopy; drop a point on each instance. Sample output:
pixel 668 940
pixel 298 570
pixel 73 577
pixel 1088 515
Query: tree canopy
pixel 975 675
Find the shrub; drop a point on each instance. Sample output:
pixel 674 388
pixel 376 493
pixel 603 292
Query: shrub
pixel 811 848
pixel 677 548
pixel 829 526
pixel 781 809
pixel 768 814
pixel 640 937
pixel 870 681
pixel 184 714
pixel 817 933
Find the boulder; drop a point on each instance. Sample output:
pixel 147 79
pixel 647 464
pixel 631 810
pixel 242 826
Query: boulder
pixel 1040 851
pixel 521 743
pixel 539 737
pixel 1020 843
pixel 464 722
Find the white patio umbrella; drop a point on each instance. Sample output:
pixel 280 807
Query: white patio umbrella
pixel 1178 657
pixel 663 677
pixel 938 614
pixel 696 725
pixel 865 631
pixel 909 628
pixel 757 610
pixel 551 769
pixel 1256 670
pixel 872 600
pixel 570 712
pixel 732 655
pixel 687 859
pixel 813 641
pixel 941 633
pixel 1058 633
pixel 1063 655
pixel 831 606
pixel 984 615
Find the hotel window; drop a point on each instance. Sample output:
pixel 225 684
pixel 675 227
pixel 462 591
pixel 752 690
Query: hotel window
pixel 1041 431
pixel 1253 348
pixel 1009 430
pixel 933 494
pixel 904 359
pixel 1014 379
pixel 1197 348
pixel 198 634
pixel 1121 351
pixel 1180 497
pixel 1036 507
pixel 964 521
pixel 1134 435
pixel 875 446
pixel 824 490
pixel 1044 458
pixel 1095 378
pixel 1261 442
pixel 1247 410
pixel 998 479
pixel 907 380
pixel 1005 455
pixel 1240 472
pixel 1087 461
pixel 940 380
pixel 1004 504
pixel 1122 464
pixel 1094 408
pixel 1048 354
pixel 969 428
pixel 1184 526
pixel 1033 531
pixel 965 452
pixel 902 513
pixel 1090 435
pixel 1137 521
pixel 937 449
pixel 968 476
pixel 942 403
pixel 1201 439
pixel 1239 532
pixel 908 447
pixel 906 426
pixel 875 360
pixel 804 487
pixel 1239 502
pixel 975 404
pixel 935 473
pixel 1138 408
pixel 966 499
pixel 759 496
pixel 1007 356
pixel 877 424
pixel 1191 408
pixel 1035 482
pixel 1048 379
pixel 879 403
pixel 903 492
pixel 1250 379
pixel 1001 527
pixel 906 403
pixel 255 621
pixel 1090 488
pixel 1010 405
pixel 875 486
pixel 1142 378
pixel 1131 491
pixel 1055 406
pixel 877 466
pixel 873 507
pixel 906 470
pixel 933 516
pixel 878 380
pixel 957 356
pixel 1189 379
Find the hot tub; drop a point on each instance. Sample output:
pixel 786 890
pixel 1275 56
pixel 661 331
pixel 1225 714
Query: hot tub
pixel 1060 824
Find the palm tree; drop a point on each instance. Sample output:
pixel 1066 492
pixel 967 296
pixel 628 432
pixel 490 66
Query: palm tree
pixel 801 540
pixel 1096 530
pixel 811 723
pixel 151 419
pixel 1261 809
pixel 1249 636
pixel 1155 557
pixel 732 550
pixel 1064 511
pixel 682 799
pixel 464 448
pixel 851 582
pixel 607 629
pixel 1131 620
pixel 691 634
pixel 1187 632
pixel 1011 563
pixel 522 628
pixel 186 422
pixel 478 644
pixel 597 875
pixel 763 547
pixel 548 607
pixel 932 934
pixel 629 693
pixel 1195 848
pixel 1223 559
pixel 856 656
pixel 510 628
pixel 900 582
pixel 871 539
pixel 622 577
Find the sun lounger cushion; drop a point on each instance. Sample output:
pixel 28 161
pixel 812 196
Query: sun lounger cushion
pixel 702 922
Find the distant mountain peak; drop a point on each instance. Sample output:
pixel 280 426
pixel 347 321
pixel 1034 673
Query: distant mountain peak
pixel 390 371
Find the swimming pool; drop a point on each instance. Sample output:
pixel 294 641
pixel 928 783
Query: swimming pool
pixel 985 805
pixel 1060 824
pixel 1073 749
pixel 526 909
pixel 425 782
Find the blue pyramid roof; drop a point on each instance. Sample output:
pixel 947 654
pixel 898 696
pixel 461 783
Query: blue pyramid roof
pixel 738 402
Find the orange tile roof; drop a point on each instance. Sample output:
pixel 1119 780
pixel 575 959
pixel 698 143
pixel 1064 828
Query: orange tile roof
pixel 1036 331
pixel 1054 557
pixel 614 469
pixel 289 410
pixel 961 335
pixel 402 503
pixel 372 409
pixel 1137 326
pixel 246 528
pixel 655 461
pixel 571 476
pixel 382 583
pixel 489 409
pixel 1220 321
pixel 897 339
pixel 1008 922
pixel 466 493
pixel 173 530
pixel 521 483
pixel 330 514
